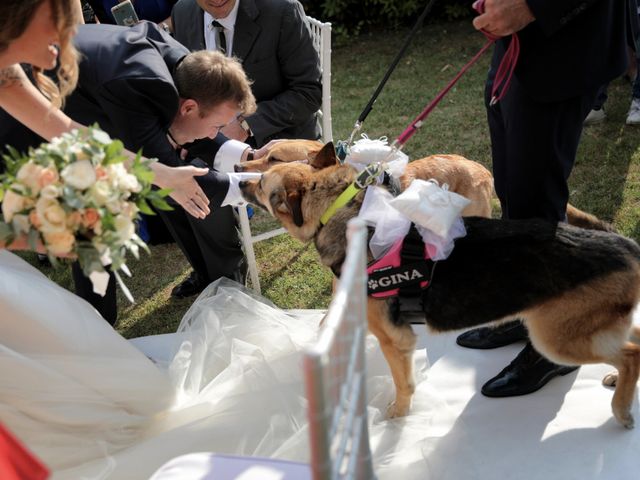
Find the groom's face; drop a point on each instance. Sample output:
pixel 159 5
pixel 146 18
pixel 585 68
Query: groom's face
pixel 217 8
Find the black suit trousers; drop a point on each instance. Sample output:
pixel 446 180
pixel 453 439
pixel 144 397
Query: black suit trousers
pixel 533 146
pixel 107 305
pixel 211 245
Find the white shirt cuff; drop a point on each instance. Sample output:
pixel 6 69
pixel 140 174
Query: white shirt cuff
pixel 229 155
pixel 234 195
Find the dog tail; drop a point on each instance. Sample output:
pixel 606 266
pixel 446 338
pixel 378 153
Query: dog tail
pixel 578 218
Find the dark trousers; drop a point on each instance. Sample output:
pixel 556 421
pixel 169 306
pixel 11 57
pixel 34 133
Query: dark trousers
pixel 533 146
pixel 211 245
pixel 106 306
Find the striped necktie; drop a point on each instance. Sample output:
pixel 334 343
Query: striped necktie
pixel 221 40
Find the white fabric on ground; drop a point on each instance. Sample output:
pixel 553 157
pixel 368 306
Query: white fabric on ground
pixel 230 381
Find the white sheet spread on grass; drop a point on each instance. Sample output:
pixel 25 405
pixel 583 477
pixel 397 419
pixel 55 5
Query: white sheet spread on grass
pixel 91 405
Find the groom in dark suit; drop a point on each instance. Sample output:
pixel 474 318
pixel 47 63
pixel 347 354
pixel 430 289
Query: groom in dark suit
pixel 146 89
pixel 272 40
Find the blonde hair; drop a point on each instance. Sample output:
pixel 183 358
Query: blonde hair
pixel 210 78
pixel 15 16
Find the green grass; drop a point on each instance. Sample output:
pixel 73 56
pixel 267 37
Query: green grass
pixel 605 181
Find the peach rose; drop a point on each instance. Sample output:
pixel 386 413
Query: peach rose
pixel 74 219
pixel 12 203
pixel 35 219
pixel 101 173
pixel 47 177
pixel 59 243
pixel 29 175
pixel 90 217
pixel 51 214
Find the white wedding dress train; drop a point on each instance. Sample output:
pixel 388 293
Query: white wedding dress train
pixel 92 405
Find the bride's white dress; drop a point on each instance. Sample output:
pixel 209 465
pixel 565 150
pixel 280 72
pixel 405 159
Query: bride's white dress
pixel 91 404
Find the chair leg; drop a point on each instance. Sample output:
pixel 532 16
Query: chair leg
pixel 247 245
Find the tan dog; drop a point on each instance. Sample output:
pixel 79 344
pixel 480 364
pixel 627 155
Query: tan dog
pixel 574 288
pixel 283 151
pixel 465 177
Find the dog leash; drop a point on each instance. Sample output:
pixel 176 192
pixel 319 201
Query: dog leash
pixel 342 147
pixel 500 85
pixel 499 88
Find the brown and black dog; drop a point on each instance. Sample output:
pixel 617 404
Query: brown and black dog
pixel 574 288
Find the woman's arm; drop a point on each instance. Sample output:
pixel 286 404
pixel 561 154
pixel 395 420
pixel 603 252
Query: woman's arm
pixel 23 101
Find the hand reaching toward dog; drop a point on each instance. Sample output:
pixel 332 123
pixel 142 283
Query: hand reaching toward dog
pixel 503 17
pixel 185 190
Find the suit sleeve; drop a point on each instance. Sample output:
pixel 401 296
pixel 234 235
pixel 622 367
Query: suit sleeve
pixel 140 110
pixel 552 15
pixel 300 67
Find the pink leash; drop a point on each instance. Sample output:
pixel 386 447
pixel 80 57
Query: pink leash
pixel 500 83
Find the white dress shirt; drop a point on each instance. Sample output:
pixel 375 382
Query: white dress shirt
pixel 227 22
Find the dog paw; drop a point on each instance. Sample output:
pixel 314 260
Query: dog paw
pixel 625 419
pixel 395 410
pixel 610 379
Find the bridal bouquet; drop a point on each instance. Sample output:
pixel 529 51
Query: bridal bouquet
pixel 75 196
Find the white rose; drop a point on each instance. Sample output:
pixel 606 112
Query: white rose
pixel 129 182
pixel 124 227
pixel 29 175
pixel 59 243
pixel 50 192
pixel 129 209
pixel 11 204
pixel 51 215
pixel 114 206
pixel 80 175
pixel 21 224
pixel 101 192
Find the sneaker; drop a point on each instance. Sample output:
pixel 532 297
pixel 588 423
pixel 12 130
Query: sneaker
pixel 633 117
pixel 595 116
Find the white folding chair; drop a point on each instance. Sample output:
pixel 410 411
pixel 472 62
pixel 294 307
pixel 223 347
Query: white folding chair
pixel 335 379
pixel 321 35
pixel 335 375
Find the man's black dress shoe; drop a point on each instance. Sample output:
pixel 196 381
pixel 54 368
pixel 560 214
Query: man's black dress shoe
pixel 528 372
pixel 493 337
pixel 192 285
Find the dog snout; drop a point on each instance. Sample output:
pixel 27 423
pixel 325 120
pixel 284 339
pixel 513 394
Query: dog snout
pixel 238 168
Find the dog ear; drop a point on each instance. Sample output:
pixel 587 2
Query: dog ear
pixel 326 157
pixel 294 201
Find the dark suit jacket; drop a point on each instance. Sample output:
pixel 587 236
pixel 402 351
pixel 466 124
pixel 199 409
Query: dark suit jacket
pixel 573 47
pixel 273 42
pixel 126 86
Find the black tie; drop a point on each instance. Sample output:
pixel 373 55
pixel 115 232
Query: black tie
pixel 221 41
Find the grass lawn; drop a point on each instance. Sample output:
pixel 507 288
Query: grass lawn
pixel 605 181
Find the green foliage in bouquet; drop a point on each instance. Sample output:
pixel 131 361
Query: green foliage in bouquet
pixel 79 195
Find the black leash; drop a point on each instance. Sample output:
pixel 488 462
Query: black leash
pixel 396 60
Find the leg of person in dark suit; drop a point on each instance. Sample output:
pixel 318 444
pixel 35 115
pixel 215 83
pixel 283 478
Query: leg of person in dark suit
pixel 211 245
pixel 107 305
pixel 534 146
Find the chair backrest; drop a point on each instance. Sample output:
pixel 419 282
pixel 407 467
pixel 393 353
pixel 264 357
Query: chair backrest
pixel 321 34
pixel 335 376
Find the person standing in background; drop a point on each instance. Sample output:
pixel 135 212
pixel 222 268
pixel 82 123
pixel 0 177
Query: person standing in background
pixel 567 51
